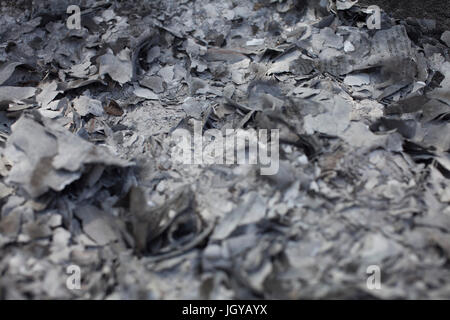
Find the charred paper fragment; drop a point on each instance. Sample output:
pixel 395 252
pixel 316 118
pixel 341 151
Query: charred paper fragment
pixel 41 153
pixel 6 70
pixel 15 94
pixel 98 225
pixel 113 108
pixel 446 38
pixel 84 105
pixel 119 68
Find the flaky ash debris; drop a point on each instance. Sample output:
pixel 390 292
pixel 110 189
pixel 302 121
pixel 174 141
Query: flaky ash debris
pixel 90 177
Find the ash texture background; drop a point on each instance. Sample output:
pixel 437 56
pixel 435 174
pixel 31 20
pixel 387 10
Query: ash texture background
pixel 90 177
